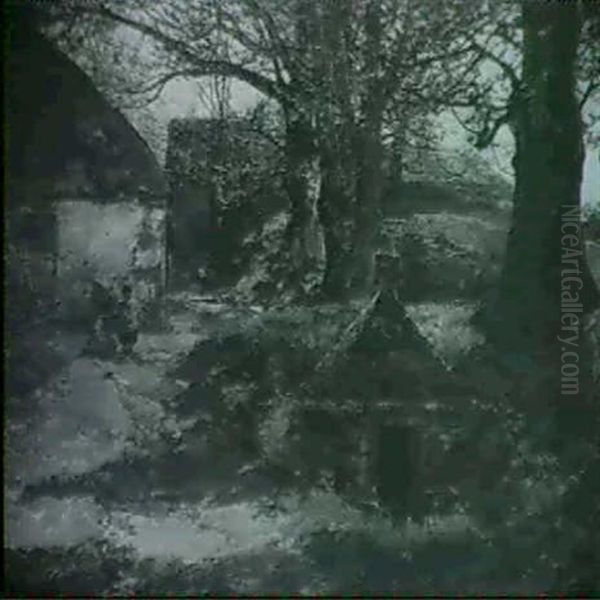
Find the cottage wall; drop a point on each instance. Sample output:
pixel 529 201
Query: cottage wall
pixel 112 244
pixel 86 196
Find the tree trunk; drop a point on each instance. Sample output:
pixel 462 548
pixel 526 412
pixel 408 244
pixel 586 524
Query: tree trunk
pixel 369 151
pixel 526 315
pixel 303 177
pixel 546 287
pixel 335 211
pixel 336 128
pixel 368 208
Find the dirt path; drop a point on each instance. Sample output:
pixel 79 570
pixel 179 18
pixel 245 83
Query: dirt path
pixel 182 529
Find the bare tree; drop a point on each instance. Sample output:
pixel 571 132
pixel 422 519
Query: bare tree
pixel 338 70
pixel 545 74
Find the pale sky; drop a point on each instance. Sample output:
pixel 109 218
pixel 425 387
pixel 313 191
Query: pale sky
pixel 456 138
pixel 590 188
pixel 181 99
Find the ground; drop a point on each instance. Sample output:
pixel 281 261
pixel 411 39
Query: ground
pixel 113 485
pixel 107 473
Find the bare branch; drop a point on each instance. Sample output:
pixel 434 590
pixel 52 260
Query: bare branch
pixel 506 67
pixel 463 123
pixel 489 132
pixel 591 87
pixel 160 82
pixel 272 31
pixel 201 65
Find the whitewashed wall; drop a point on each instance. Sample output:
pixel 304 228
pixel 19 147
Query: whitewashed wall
pixel 110 243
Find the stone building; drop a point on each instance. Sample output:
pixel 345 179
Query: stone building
pixel 85 195
pixel 221 189
pixel 192 221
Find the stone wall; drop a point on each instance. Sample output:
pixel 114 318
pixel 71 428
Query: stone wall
pixel 223 185
pixel 389 452
pixel 30 260
pixel 191 223
pixel 112 244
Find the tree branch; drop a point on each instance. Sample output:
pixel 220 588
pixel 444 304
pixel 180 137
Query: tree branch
pixel 266 19
pixel 591 87
pixel 155 87
pixel 487 135
pixel 200 65
pixel 507 68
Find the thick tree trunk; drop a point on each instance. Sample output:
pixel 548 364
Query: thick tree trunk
pixel 303 173
pixel 350 211
pixel 369 151
pixel 367 210
pixel 303 182
pixel 526 315
pixel 335 211
pixel 337 128
pixel 546 287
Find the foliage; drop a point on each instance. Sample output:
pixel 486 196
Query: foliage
pixel 285 388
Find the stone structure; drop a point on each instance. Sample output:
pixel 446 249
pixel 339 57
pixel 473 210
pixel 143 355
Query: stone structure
pixel 391 450
pixel 221 190
pixel 191 223
pixel 86 197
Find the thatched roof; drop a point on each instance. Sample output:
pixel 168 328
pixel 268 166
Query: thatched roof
pixel 64 140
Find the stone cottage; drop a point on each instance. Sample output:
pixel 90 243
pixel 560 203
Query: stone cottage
pixel 85 195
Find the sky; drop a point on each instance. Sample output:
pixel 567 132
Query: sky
pixel 181 99
pixel 454 137
pixel 590 188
